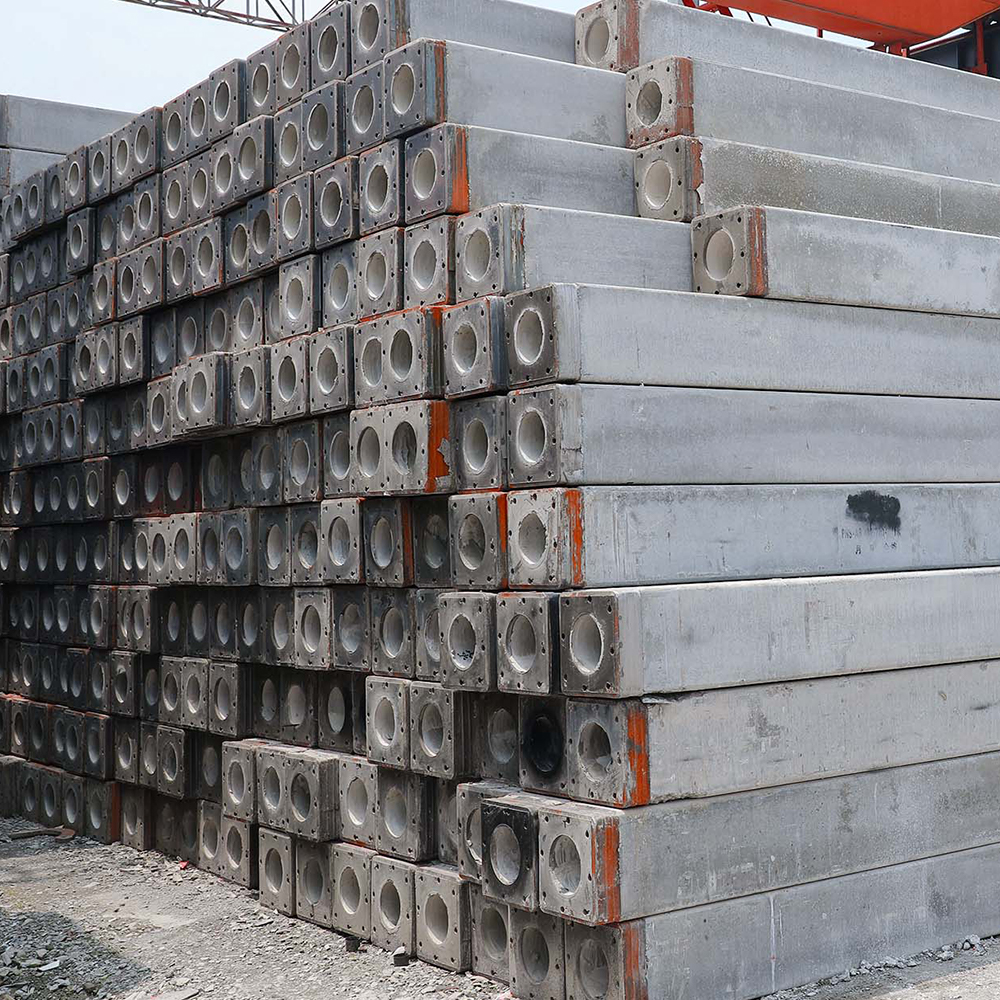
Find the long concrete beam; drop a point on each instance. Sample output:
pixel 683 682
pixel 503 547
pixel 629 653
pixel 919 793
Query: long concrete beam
pixel 507 247
pixel 623 34
pixel 677 95
pixel 807 257
pixel 600 865
pixel 745 948
pixel 622 536
pixel 379 26
pixel 428 82
pixel 458 169
pixel 633 753
pixel 633 641
pixel 559 333
pixel 684 177
pixel 609 434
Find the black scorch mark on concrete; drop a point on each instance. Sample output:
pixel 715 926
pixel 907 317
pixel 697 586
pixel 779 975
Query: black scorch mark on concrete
pixel 877 510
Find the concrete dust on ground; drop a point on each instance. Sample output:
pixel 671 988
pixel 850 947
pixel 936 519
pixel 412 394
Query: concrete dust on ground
pixel 84 921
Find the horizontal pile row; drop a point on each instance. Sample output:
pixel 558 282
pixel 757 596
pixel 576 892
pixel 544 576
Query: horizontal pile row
pixel 393 523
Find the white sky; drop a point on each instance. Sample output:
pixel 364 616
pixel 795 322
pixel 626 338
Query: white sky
pixel 110 54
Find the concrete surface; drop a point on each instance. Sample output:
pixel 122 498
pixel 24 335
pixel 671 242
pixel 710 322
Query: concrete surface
pixel 123 924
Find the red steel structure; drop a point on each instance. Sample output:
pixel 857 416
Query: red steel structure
pixel 895 25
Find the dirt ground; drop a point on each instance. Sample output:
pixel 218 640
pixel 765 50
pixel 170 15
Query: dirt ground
pixel 79 920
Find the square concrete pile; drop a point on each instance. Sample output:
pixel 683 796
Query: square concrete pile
pixel 522 490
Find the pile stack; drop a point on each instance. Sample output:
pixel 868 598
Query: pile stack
pixel 392 526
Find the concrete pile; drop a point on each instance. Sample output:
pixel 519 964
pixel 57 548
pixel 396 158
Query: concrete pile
pixel 523 493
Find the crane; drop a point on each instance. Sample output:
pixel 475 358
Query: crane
pixel 278 15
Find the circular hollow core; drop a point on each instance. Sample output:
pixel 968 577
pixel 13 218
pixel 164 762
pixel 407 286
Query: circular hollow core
pixel 260 84
pixel 505 854
pixel 173 131
pixel 532 538
pixel 274 870
pixel 291 66
pixel 424 173
pixel 657 183
pixel 586 644
pixel 357 802
pixel 384 722
pixel 462 642
pixel 287 378
pixel 328 48
pixel 395 812
pixel 564 865
pixel 369 452
pixel 312 628
pixel 382 543
pixel 475 445
pixel 478 254
pixel 301 798
pixel 719 255
pixel 327 370
pixel 349 890
pixel 222 101
pixel 472 541
pixel 543 743
pixel 392 632
pixel 376 275
pixel 402 89
pixel 318 126
pixel 529 337
pixel 390 906
pixel 436 918
pixel 521 643
pixel 371 361
pixel 465 348
pixel 352 628
pixel 593 969
pixel 423 264
pixel 363 109
pixel 336 710
pixel 234 847
pixel 401 354
pixel 271 787
pixel 431 728
pixel 331 203
pixel 594 749
pixel 247 160
pixel 377 189
pixel 404 447
pixel 314 881
pixel 534 954
pixel 368 26
pixel 301 462
pixel 236 781
pixel 531 437
pixel 596 39
pixel 649 102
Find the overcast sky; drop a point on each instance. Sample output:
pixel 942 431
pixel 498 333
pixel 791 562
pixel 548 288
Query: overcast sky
pixel 111 54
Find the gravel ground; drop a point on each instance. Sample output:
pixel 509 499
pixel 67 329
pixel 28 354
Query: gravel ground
pixel 79 920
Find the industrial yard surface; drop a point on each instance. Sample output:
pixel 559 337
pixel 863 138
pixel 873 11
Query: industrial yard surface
pixel 80 919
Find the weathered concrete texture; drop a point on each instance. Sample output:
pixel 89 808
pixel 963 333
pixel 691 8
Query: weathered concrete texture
pixel 788 835
pixel 459 83
pixel 607 536
pixel 639 31
pixel 507 247
pixel 559 333
pixel 51 127
pixel 594 434
pixel 500 24
pixel 683 177
pixel 633 641
pixel 766 942
pixel 682 96
pixel 803 256
pixel 476 167
pixel 737 738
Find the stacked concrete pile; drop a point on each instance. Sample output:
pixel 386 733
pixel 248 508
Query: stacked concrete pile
pixel 399 523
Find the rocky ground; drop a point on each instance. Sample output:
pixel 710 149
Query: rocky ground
pixel 81 921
